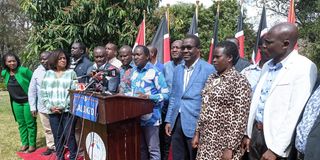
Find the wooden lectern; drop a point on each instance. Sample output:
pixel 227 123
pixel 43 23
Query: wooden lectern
pixel 116 133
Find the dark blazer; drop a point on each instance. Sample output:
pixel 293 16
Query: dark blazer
pixel 82 67
pixel 111 84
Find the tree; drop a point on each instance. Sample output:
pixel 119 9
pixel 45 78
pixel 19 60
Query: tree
pixel 180 20
pixel 308 20
pixel 58 23
pixel 14 27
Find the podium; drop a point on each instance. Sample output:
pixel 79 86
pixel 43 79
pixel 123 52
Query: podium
pixel 116 133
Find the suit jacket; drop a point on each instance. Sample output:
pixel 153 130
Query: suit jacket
pixel 189 101
pixel 312 151
pixel 23 76
pixel 110 84
pixel 82 67
pixel 288 95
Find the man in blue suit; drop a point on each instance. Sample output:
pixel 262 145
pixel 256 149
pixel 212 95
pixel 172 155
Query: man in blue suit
pixel 185 99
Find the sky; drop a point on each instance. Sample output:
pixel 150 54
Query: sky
pixel 253 12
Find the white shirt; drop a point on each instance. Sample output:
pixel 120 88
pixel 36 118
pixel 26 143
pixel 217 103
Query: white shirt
pixel 115 62
pixel 187 74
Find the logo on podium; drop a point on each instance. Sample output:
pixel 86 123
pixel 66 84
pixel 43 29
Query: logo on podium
pixel 95 147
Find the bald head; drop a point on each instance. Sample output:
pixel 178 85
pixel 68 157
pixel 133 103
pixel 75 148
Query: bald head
pixel 286 32
pixel 179 42
pixel 99 55
pixel 111 50
pixel 125 48
pixel 280 40
pixel 176 53
pixel 125 55
pixel 153 52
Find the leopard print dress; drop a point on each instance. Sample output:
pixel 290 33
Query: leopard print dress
pixel 224 114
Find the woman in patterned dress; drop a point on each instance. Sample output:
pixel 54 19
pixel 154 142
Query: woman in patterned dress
pixel 55 96
pixel 225 108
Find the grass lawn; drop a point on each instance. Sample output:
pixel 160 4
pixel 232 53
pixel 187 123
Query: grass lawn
pixel 9 135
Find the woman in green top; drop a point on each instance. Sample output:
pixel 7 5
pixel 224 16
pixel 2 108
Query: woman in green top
pixel 55 96
pixel 17 80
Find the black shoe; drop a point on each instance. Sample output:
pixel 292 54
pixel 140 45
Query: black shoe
pixel 47 152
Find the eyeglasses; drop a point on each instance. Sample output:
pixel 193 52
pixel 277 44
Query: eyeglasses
pixel 187 47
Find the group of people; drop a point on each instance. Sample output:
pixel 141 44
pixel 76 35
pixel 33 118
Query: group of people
pixel 228 110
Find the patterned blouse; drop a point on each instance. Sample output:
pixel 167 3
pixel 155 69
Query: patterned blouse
pixel 55 90
pixel 224 114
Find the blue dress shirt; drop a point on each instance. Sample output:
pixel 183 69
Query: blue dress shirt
pixel 265 90
pixel 34 91
pixel 252 73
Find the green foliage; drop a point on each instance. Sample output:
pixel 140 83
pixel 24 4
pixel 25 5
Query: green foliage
pixel 181 16
pixel 2 86
pixel 309 17
pixel 308 20
pixel 58 23
pixel 14 27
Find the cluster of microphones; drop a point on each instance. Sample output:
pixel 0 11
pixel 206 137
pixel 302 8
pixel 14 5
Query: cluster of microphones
pixel 96 77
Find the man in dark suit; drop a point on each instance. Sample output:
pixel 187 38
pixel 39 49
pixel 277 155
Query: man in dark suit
pixel 185 99
pixel 79 60
pixel 108 83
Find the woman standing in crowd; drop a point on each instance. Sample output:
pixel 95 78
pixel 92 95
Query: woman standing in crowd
pixel 55 96
pixel 17 80
pixel 225 108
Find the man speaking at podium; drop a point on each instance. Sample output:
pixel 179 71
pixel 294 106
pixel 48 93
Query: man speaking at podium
pixel 148 82
pixel 100 72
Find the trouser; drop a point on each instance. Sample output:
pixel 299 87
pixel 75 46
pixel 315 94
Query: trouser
pixel 44 118
pixel 27 123
pixel 78 129
pixel 165 140
pixel 150 145
pixel 181 144
pixel 258 144
pixel 300 156
pixel 63 128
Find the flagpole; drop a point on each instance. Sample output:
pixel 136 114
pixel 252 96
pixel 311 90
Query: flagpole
pixel 144 31
pixel 197 10
pixel 218 9
pixel 168 17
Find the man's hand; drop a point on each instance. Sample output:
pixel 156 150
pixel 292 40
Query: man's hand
pixel 168 129
pixel 245 144
pixel 227 154
pixel 56 110
pixel 269 155
pixel 34 113
pixel 141 95
pixel 195 140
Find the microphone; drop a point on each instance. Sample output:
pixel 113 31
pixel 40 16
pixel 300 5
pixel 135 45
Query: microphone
pixel 108 72
pixel 93 80
pixel 99 76
pixel 84 76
